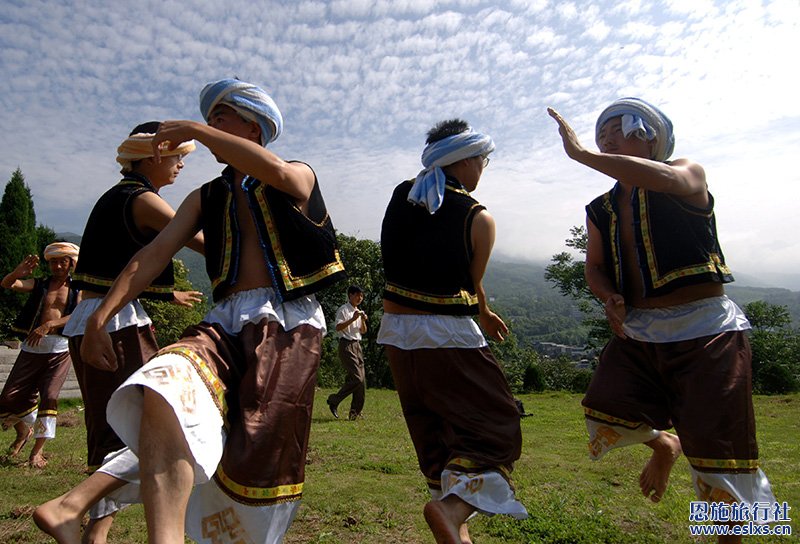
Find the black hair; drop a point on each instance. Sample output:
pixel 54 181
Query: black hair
pixel 444 129
pixel 353 289
pixel 150 127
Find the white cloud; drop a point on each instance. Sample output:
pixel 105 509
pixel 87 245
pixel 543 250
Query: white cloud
pixel 360 82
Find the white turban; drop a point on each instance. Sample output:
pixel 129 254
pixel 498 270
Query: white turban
pixel 251 102
pixel 428 188
pixel 139 146
pixel 643 120
pixel 61 249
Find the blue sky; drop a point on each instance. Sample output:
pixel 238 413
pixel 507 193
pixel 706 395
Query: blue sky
pixel 359 83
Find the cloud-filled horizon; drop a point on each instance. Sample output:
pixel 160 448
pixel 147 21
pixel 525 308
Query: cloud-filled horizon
pixel 359 82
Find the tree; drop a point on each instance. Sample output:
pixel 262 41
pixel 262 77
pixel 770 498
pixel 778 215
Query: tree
pixel 776 348
pixel 568 275
pixel 18 238
pixel 170 320
pixel 364 265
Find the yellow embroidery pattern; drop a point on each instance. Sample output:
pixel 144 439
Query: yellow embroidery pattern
pixel 462 298
pixel 724 464
pixel 600 416
pixel 253 494
pixel 224 527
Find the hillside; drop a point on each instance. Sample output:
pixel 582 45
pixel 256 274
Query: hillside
pixel 534 308
pixel 538 312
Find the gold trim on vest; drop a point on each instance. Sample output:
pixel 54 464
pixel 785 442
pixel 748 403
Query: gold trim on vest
pixel 290 281
pixel 462 298
pixel 94 280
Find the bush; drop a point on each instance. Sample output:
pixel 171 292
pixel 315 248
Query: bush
pixel 533 380
pixel 562 375
pixel 775 379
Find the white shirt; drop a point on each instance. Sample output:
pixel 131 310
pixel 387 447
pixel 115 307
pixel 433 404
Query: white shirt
pixel 353 330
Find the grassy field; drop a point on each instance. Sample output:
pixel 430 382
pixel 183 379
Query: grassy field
pixel 362 483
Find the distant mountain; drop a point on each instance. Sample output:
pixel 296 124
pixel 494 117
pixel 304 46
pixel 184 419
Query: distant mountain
pixel 538 312
pixel 533 306
pixel 70 237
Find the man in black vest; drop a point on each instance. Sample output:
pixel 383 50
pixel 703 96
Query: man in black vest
pixel 679 355
pixel 436 241
pixel 229 406
pixel 43 362
pixel 124 219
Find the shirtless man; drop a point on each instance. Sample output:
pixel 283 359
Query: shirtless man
pixel 251 363
pixel 43 362
pixel 679 356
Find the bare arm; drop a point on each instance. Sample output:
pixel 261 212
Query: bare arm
pixel 15 281
pixel 483 234
pixel 141 270
pixel 44 329
pixel 246 156
pixel 152 213
pixel 342 325
pixel 681 177
pixel 599 280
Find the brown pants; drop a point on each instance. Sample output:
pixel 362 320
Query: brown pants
pixel 35 376
pixel 700 386
pixel 133 346
pixel 352 359
pixel 269 376
pixel 458 408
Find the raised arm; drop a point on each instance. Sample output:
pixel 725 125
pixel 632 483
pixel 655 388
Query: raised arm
pixel 483 233
pixel 680 177
pixel 16 279
pixel 141 270
pixel 152 213
pixel 241 152
pixel 598 278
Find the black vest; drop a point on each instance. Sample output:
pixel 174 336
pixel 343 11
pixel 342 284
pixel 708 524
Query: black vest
pixel 300 252
pixel 28 318
pixel 676 243
pixel 111 239
pixel 426 257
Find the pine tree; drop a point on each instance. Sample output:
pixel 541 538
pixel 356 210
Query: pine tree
pixel 18 238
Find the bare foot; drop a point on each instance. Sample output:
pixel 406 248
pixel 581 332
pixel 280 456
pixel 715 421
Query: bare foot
pixel 19 443
pixel 655 475
pixel 37 461
pixel 463 533
pixel 442 527
pixel 58 521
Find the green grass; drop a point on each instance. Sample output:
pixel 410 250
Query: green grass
pixel 363 486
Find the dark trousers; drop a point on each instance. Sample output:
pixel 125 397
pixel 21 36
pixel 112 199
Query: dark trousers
pixel 133 346
pixel 352 359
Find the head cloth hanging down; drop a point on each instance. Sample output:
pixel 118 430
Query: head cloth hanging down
pixel 643 120
pixel 249 101
pixel 428 189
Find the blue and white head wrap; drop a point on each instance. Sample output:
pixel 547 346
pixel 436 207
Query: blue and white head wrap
pixel 428 189
pixel 249 101
pixel 643 120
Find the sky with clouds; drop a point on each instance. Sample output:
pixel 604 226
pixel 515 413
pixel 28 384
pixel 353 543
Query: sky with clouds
pixel 359 83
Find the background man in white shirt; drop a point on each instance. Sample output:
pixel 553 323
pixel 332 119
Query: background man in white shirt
pixel 351 323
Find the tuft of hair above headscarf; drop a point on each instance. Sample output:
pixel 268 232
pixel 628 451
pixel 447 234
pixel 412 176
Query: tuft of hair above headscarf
pixel 248 100
pixel 643 120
